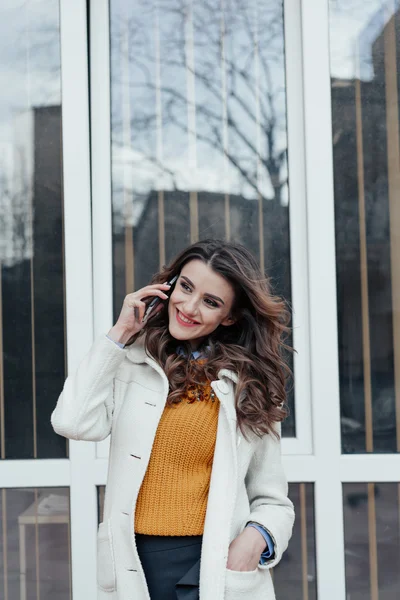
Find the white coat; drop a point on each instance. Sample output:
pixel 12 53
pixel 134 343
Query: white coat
pixel 123 392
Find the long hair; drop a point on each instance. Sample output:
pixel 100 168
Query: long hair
pixel 253 346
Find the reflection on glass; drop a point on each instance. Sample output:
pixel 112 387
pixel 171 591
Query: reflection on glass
pixel 295 576
pixel 35 544
pixel 372 540
pixel 365 43
pixel 199 144
pixel 32 354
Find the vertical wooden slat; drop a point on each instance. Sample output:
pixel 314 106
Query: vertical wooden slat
pixel 2 425
pixel 37 553
pixel 63 271
pixel 373 554
pixel 304 550
pixel 161 228
pixel 159 131
pixel 127 178
pixel 224 103
pixel 194 216
pixel 191 116
pixel 69 545
pixel 5 545
pixel 393 161
pixel 33 343
pixel 258 138
pixel 373 558
pixel 364 273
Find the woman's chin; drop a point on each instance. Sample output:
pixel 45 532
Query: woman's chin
pixel 178 334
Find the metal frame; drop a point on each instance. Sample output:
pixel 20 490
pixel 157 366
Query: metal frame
pixel 302 443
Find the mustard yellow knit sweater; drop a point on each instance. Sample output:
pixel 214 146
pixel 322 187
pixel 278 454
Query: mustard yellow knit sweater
pixel 174 493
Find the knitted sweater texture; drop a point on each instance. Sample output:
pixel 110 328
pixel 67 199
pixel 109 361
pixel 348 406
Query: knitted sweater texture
pixel 174 493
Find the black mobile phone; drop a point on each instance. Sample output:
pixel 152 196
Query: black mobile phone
pixel 156 300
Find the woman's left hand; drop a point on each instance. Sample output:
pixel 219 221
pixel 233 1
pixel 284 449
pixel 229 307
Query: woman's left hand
pixel 245 550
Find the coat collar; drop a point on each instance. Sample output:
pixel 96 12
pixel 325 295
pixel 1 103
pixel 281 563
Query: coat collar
pixel 137 354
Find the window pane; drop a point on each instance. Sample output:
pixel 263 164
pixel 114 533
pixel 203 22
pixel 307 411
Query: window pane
pixel 365 111
pixel 35 544
pixel 295 576
pixel 199 143
pixel 372 542
pixel 32 330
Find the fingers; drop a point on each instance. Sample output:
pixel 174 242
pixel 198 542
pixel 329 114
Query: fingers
pixel 137 306
pixel 148 292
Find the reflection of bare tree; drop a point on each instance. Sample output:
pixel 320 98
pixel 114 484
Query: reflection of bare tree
pixel 15 216
pixel 234 56
pixel 33 57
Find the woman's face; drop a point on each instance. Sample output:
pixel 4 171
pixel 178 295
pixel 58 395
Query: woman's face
pixel 201 301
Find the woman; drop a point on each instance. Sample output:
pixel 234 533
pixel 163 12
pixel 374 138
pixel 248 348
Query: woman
pixel 193 394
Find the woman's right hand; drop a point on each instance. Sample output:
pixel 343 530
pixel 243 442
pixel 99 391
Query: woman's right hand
pixel 130 320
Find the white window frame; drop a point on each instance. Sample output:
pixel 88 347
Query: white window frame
pixel 328 468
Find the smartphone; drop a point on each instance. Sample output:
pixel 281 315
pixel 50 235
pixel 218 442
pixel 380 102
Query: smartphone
pixel 156 300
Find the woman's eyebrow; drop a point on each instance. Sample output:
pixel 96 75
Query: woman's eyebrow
pixel 207 294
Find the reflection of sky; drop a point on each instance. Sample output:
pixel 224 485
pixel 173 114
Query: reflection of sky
pixel 169 156
pixel 29 59
pixel 29 77
pixel 354 25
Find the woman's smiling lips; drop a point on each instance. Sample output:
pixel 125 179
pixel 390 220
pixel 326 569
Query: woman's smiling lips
pixel 183 323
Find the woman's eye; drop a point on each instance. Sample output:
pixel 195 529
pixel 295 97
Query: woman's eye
pixel 185 286
pixel 211 302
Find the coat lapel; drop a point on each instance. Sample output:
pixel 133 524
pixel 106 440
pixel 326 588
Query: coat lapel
pixel 221 497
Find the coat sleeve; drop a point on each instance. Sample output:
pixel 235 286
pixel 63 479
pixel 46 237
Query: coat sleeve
pixel 267 489
pixel 85 407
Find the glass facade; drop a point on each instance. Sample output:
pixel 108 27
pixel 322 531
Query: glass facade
pixel 32 307
pixel 372 540
pixel 296 574
pixel 35 544
pixel 365 45
pixel 199 140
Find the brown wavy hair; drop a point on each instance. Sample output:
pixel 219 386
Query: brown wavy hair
pixel 253 346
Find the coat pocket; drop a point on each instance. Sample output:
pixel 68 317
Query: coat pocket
pixel 106 579
pixel 256 585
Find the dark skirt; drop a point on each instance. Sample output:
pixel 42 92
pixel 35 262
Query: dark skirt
pixel 171 565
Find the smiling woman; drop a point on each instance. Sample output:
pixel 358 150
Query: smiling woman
pixel 221 298
pixel 194 397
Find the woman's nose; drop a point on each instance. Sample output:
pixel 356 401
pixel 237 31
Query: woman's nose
pixel 190 308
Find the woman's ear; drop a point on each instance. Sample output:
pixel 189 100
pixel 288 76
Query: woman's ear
pixel 228 321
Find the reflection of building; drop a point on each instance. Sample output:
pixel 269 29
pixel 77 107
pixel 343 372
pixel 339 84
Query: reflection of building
pixel 347 160
pixel 41 274
pixel 244 219
pixel 244 224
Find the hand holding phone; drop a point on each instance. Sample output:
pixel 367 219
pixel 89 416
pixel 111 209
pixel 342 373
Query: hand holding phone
pixel 156 300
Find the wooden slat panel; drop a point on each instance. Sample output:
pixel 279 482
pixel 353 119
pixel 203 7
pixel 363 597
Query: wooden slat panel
pixel 393 161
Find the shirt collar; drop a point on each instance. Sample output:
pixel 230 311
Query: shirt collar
pixel 195 354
